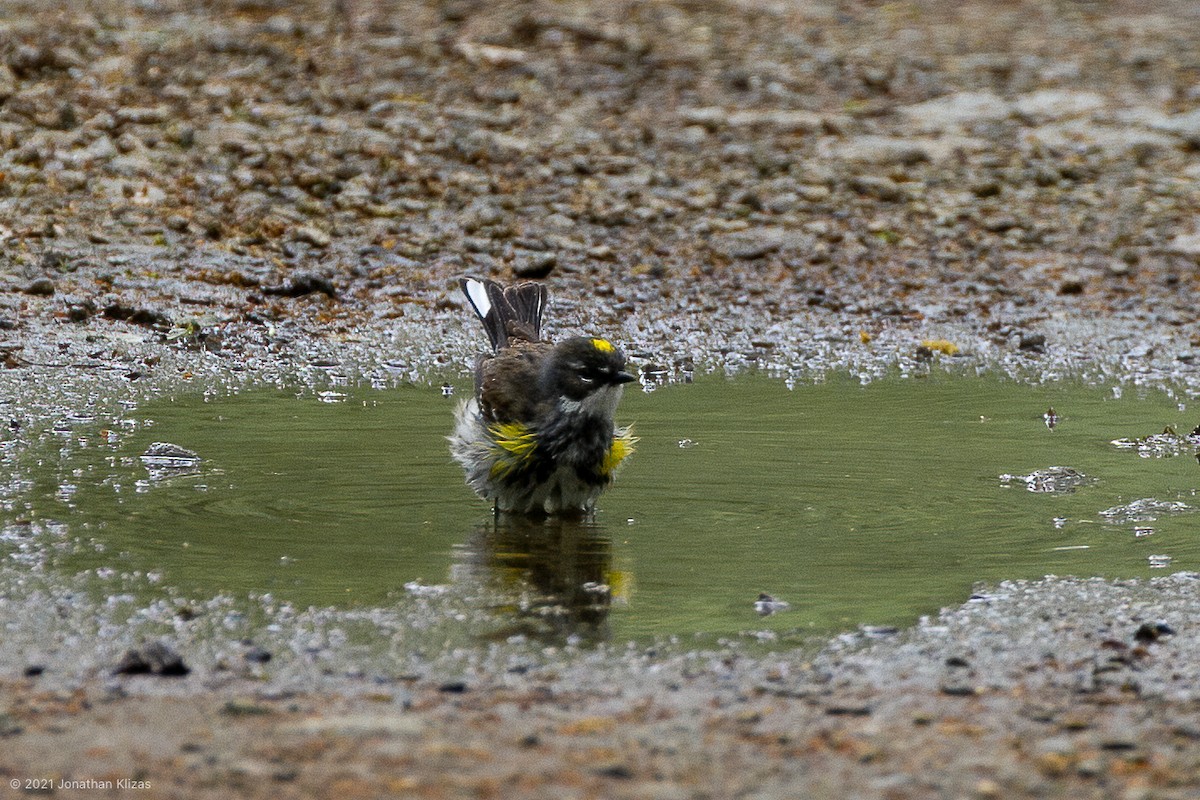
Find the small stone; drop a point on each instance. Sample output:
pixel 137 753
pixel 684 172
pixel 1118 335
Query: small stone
pixel 1071 285
pixel 754 243
pixel 40 287
pixel 257 655
pixel 1032 342
pixel 9 726
pixel 80 310
pixel 963 109
pixel 302 283
pixel 1153 631
pixel 987 789
pixel 137 315
pixel 840 710
pixel 312 235
pixel 1187 244
pixel 1058 103
pixel 142 116
pixel 57 261
pixel 537 265
pixel 155 658
pixel 177 223
pixel 958 689
pixel 877 186
pixel 617 771
pixel 1186 126
pixel 8 82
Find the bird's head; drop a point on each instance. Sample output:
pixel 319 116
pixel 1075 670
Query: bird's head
pixel 579 368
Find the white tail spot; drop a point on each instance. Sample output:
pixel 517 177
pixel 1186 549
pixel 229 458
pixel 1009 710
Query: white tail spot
pixel 477 295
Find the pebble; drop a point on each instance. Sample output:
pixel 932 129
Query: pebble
pixel 755 243
pixel 302 283
pixel 535 265
pixel 956 110
pixel 1048 104
pixel 1185 126
pixel 1072 285
pixel 154 658
pixel 312 235
pixel 876 186
pixel 1032 342
pixel 39 287
pixel 8 82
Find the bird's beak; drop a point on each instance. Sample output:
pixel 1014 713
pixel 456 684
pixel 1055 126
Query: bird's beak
pixel 623 377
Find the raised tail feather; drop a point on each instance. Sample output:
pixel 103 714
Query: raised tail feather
pixel 508 313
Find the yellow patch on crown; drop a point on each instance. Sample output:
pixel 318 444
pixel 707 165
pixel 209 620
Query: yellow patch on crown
pixel 603 345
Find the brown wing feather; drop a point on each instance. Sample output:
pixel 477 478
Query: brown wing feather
pixel 508 382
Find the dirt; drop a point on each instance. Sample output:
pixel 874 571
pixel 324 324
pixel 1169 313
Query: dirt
pixel 226 194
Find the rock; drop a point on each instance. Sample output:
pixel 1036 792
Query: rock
pixel 302 283
pixel 781 120
pixel 491 55
pixel 257 655
pixel 1071 285
pixel 8 82
pixel 755 243
pixel 959 110
pixel 138 315
pixel 1112 139
pixel 877 186
pixel 154 658
pixel 1049 104
pixel 710 118
pixel 312 235
pixel 1032 342
pixel 9 726
pixel 873 149
pixel 1153 631
pixel 1186 244
pixel 1186 126
pixel 39 287
pixel 80 310
pixel 167 454
pixel 535 265
pixel 142 116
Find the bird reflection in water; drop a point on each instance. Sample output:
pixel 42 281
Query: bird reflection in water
pixel 548 580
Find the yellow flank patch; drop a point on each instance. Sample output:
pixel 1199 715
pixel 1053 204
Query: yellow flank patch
pixel 514 444
pixel 603 345
pixel 622 447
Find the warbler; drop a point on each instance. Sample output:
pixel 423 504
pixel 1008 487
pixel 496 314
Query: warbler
pixel 538 437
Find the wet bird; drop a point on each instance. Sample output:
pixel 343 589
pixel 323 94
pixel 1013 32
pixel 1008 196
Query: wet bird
pixel 538 438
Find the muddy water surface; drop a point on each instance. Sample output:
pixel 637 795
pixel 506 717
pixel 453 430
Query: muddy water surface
pixel 853 504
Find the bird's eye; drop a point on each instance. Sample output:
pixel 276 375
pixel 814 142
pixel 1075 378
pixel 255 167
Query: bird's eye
pixel 586 380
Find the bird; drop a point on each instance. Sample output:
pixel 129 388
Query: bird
pixel 538 437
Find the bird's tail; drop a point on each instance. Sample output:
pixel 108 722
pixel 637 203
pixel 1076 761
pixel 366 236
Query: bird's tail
pixel 513 312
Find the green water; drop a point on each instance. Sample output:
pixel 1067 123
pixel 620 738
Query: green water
pixel 854 504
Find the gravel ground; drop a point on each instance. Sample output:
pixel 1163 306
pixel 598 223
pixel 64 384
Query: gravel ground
pixel 230 193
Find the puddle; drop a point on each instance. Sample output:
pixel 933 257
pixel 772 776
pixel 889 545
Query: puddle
pixel 844 505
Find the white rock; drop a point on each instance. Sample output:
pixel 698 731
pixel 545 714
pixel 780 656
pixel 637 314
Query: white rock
pixel 957 110
pixel 1049 104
